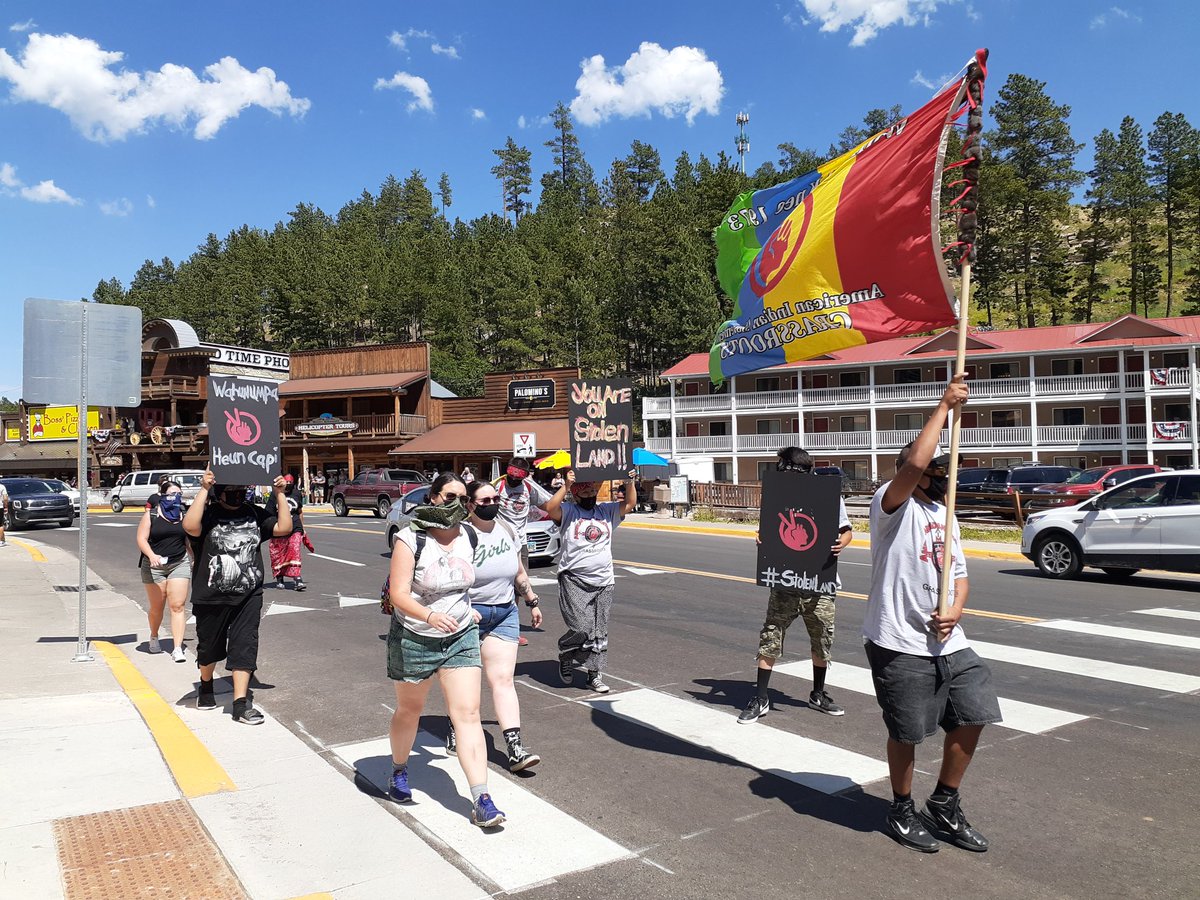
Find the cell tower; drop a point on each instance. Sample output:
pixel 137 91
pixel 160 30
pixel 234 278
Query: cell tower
pixel 743 142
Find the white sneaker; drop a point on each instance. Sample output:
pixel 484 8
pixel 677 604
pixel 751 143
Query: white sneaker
pixel 155 646
pixel 177 655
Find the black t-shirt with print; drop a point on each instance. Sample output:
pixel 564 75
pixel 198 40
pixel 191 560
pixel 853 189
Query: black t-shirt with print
pixel 295 504
pixel 229 566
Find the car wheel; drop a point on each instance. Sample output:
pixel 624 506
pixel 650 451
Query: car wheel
pixel 65 523
pixel 382 507
pixel 1058 556
pixel 391 537
pixel 339 506
pixel 117 505
pixel 1121 574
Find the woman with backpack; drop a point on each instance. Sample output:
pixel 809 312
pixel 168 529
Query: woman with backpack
pixel 435 630
pixel 499 576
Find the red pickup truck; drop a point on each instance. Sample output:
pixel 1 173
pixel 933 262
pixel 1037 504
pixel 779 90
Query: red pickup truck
pixel 376 490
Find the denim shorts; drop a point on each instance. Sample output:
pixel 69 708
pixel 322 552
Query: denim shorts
pixel 919 694
pixel 181 570
pixel 502 621
pixel 413 657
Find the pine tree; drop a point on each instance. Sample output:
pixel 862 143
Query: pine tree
pixel 1132 201
pixel 515 177
pixel 444 193
pixel 1172 142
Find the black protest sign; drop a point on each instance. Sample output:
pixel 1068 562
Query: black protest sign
pixel 798 526
pixel 243 429
pixel 601 422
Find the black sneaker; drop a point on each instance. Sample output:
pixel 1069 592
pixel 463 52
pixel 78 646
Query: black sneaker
pixel 595 682
pixel 452 742
pixel 822 702
pixel 246 714
pixel 520 759
pixel 300 585
pixel 755 710
pixel 566 671
pixel 945 819
pixel 905 826
pixel 206 696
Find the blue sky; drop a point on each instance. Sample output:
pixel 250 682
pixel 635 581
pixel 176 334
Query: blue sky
pixel 131 130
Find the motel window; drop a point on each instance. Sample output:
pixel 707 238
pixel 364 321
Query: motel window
pixel 1175 360
pixel 852 379
pixel 856 469
pixel 1177 412
pixel 1077 462
pixel 763 467
pixel 722 471
pixel 908 421
pixel 1006 418
pixel 1006 462
pixel 854 423
pixel 770 383
pixel 907 376
pixel 1061 367
pixel 718 429
pixel 766 426
pixel 1072 415
pixel 1005 370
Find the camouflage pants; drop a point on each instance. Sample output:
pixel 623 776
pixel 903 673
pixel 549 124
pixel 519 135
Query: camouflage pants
pixel 784 607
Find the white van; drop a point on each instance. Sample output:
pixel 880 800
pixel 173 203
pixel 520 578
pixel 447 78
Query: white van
pixel 135 488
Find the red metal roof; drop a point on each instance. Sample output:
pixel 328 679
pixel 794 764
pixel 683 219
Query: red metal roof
pixel 346 384
pixel 1021 340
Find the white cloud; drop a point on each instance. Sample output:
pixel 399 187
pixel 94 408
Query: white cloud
pixel 478 114
pixel 521 123
pixel 972 13
pixel 1112 14
pixel 400 41
pixel 932 84
pixel 121 207
pixel 682 80
pixel 867 17
pixel 451 51
pixel 76 76
pixel 151 202
pixel 414 84
pixel 42 192
pixel 20 27
pixel 48 192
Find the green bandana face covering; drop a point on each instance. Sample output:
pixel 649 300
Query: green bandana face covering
pixel 447 515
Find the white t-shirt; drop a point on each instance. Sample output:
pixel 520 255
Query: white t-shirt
pixel 586 536
pixel 440 582
pixel 3 497
pixel 497 561
pixel 515 502
pixel 905 549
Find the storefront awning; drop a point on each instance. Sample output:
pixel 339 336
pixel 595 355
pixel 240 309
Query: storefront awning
pixel 348 384
pixel 485 438
pixel 37 457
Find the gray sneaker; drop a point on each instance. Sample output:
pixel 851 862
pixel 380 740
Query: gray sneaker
pixel 596 683
pixel 755 710
pixel 822 702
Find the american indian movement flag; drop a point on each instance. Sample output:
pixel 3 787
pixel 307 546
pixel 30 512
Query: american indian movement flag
pixel 848 254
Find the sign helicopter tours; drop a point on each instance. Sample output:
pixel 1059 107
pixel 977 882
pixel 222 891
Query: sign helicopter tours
pixel 797 527
pixel 243 429
pixel 601 421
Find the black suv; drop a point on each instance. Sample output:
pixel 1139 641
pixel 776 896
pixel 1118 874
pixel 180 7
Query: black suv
pixel 31 501
pixel 999 484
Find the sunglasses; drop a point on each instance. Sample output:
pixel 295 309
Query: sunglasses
pixel 938 470
pixel 486 501
pixel 450 498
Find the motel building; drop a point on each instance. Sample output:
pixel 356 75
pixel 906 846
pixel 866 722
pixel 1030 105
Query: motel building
pixel 1117 392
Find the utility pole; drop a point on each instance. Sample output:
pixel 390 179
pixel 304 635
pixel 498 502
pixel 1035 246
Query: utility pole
pixel 743 142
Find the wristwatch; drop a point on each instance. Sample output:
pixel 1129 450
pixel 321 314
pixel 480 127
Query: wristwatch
pixel 532 604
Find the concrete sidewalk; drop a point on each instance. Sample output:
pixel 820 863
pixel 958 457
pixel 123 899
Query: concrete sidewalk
pixel 112 784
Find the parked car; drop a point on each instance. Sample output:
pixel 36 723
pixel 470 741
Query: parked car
pixel 1091 482
pixel 971 478
pixel 135 488
pixel 1150 522
pixel 1000 484
pixel 541 535
pixel 61 487
pixel 32 503
pixel 376 490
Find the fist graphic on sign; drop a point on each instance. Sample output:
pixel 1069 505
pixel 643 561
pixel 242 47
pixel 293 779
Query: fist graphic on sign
pixel 797 530
pixel 242 427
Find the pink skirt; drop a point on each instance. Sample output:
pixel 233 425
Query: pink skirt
pixel 285 555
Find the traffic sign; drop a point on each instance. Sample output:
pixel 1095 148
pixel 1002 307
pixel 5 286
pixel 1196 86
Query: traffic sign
pixel 524 444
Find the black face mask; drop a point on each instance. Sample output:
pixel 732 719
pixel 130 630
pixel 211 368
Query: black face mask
pixel 938 486
pixel 233 496
pixel 488 513
pixel 586 502
pixel 512 482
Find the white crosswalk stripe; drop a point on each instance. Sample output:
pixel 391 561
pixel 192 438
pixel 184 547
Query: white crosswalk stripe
pixel 1029 718
pixel 1139 676
pixel 282 609
pixel 1192 614
pixel 344 601
pixel 814 764
pixel 1126 634
pixel 538 842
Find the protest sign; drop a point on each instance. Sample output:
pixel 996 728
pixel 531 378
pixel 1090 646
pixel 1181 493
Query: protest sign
pixel 798 524
pixel 601 422
pixel 243 429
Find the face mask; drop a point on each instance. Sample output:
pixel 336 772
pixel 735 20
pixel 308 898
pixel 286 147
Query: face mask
pixel 938 486
pixel 487 513
pixel 233 496
pixel 512 481
pixel 171 506
pixel 444 515
pixel 586 502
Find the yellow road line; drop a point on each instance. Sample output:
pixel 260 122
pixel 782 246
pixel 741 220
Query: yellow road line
pixel 983 613
pixel 196 771
pixel 33 551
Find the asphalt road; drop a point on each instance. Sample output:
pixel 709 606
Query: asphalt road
pixel 1089 789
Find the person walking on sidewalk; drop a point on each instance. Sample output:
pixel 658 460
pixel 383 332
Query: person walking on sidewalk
pixel 165 564
pixel 4 505
pixel 926 675
pixel 785 605
pixel 585 575
pixel 435 630
pixel 492 596
pixel 286 551
pixel 227 585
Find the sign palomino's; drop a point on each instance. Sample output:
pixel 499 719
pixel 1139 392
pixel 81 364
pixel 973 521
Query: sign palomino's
pixel 326 426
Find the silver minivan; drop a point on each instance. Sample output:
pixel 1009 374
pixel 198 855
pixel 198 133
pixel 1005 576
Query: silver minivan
pixel 135 488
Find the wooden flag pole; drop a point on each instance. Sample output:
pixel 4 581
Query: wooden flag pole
pixel 960 368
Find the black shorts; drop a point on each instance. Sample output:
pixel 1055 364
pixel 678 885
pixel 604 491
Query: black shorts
pixel 919 694
pixel 229 633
